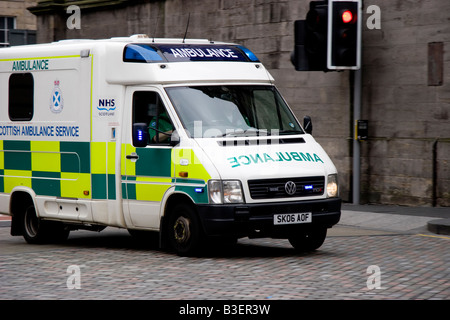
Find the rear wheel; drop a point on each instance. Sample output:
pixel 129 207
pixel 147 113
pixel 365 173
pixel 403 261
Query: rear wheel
pixel 309 240
pixel 184 230
pixel 37 231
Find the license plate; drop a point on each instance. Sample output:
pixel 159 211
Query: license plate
pixel 292 218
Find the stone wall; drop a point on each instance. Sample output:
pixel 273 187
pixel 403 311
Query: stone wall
pixel 405 160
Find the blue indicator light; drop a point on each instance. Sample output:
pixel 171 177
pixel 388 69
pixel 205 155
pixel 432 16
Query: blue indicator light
pixel 199 190
pixel 140 135
pixel 309 187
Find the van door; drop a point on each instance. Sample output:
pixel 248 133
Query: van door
pixel 146 158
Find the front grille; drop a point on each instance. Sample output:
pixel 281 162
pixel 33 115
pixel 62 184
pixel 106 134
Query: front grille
pixel 276 188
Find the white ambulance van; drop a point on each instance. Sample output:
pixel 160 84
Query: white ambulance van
pixel 187 138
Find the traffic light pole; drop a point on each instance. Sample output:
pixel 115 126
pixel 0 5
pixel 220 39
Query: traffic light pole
pixel 356 143
pixel 330 40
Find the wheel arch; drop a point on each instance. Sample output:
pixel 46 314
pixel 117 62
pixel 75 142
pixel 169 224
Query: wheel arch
pixel 20 199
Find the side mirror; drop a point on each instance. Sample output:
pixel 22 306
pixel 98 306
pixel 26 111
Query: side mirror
pixel 140 135
pixel 307 124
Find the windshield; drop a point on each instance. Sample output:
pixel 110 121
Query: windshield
pixel 214 111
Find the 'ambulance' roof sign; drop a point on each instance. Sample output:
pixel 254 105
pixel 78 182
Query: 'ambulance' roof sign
pixel 155 53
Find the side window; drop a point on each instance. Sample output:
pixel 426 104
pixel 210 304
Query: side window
pixel 149 112
pixel 21 97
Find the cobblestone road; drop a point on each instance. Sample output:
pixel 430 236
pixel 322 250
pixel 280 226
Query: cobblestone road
pixel 112 265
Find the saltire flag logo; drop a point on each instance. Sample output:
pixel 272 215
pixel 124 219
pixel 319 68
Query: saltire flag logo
pixel 56 100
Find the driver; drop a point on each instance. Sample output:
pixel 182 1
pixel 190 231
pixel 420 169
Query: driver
pixel 164 125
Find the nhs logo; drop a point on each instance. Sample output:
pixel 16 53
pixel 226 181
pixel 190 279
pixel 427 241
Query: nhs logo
pixel 106 107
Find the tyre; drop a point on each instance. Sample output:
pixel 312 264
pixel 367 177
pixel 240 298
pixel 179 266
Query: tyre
pixel 184 230
pixel 37 231
pixel 309 240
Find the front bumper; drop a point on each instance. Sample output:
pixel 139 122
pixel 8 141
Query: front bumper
pixel 256 220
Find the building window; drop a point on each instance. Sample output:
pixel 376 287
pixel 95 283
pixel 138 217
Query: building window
pixel 6 24
pixel 21 96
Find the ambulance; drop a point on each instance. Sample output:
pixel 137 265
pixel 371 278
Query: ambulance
pixel 186 139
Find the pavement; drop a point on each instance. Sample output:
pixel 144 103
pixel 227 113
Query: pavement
pixel 397 218
pixel 404 219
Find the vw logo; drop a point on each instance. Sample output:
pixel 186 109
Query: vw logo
pixel 290 188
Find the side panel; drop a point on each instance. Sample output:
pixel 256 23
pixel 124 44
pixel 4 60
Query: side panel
pixel 152 173
pixel 49 152
pixel 147 176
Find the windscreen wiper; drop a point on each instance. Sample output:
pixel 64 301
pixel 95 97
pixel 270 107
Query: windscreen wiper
pixel 291 132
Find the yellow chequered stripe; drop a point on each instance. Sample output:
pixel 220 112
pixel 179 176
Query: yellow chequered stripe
pixel 16 178
pixel 152 189
pixel 194 167
pixel 50 168
pixel 103 157
pixel 45 156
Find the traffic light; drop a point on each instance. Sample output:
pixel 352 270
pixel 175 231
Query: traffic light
pixel 310 49
pixel 344 35
pixel 316 35
pixel 330 37
pixel 298 57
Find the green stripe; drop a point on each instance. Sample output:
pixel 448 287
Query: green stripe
pixel 154 162
pixel 130 191
pixel 75 157
pixel 196 197
pixel 99 189
pixel 14 157
pixel 103 186
pixel 111 186
pixel 51 186
pixel 2 182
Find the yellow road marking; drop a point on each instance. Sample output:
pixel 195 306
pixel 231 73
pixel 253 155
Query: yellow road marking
pixel 431 236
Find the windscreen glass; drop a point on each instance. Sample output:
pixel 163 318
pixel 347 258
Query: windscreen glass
pixel 215 111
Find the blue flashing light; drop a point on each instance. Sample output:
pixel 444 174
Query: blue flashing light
pixel 309 187
pixel 249 54
pixel 199 190
pixel 141 53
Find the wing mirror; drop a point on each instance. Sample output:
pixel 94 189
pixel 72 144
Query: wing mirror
pixel 140 135
pixel 307 124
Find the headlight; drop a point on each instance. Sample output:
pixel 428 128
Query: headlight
pixel 215 191
pixel 226 191
pixel 332 186
pixel 232 192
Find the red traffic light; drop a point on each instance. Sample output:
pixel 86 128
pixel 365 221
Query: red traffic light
pixel 347 16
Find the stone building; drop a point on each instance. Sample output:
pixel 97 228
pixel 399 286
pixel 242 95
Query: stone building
pixel 405 78
pixel 14 16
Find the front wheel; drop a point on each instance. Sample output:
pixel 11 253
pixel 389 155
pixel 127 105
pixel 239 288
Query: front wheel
pixel 309 240
pixel 184 230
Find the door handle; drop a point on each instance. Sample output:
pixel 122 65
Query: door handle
pixel 132 157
